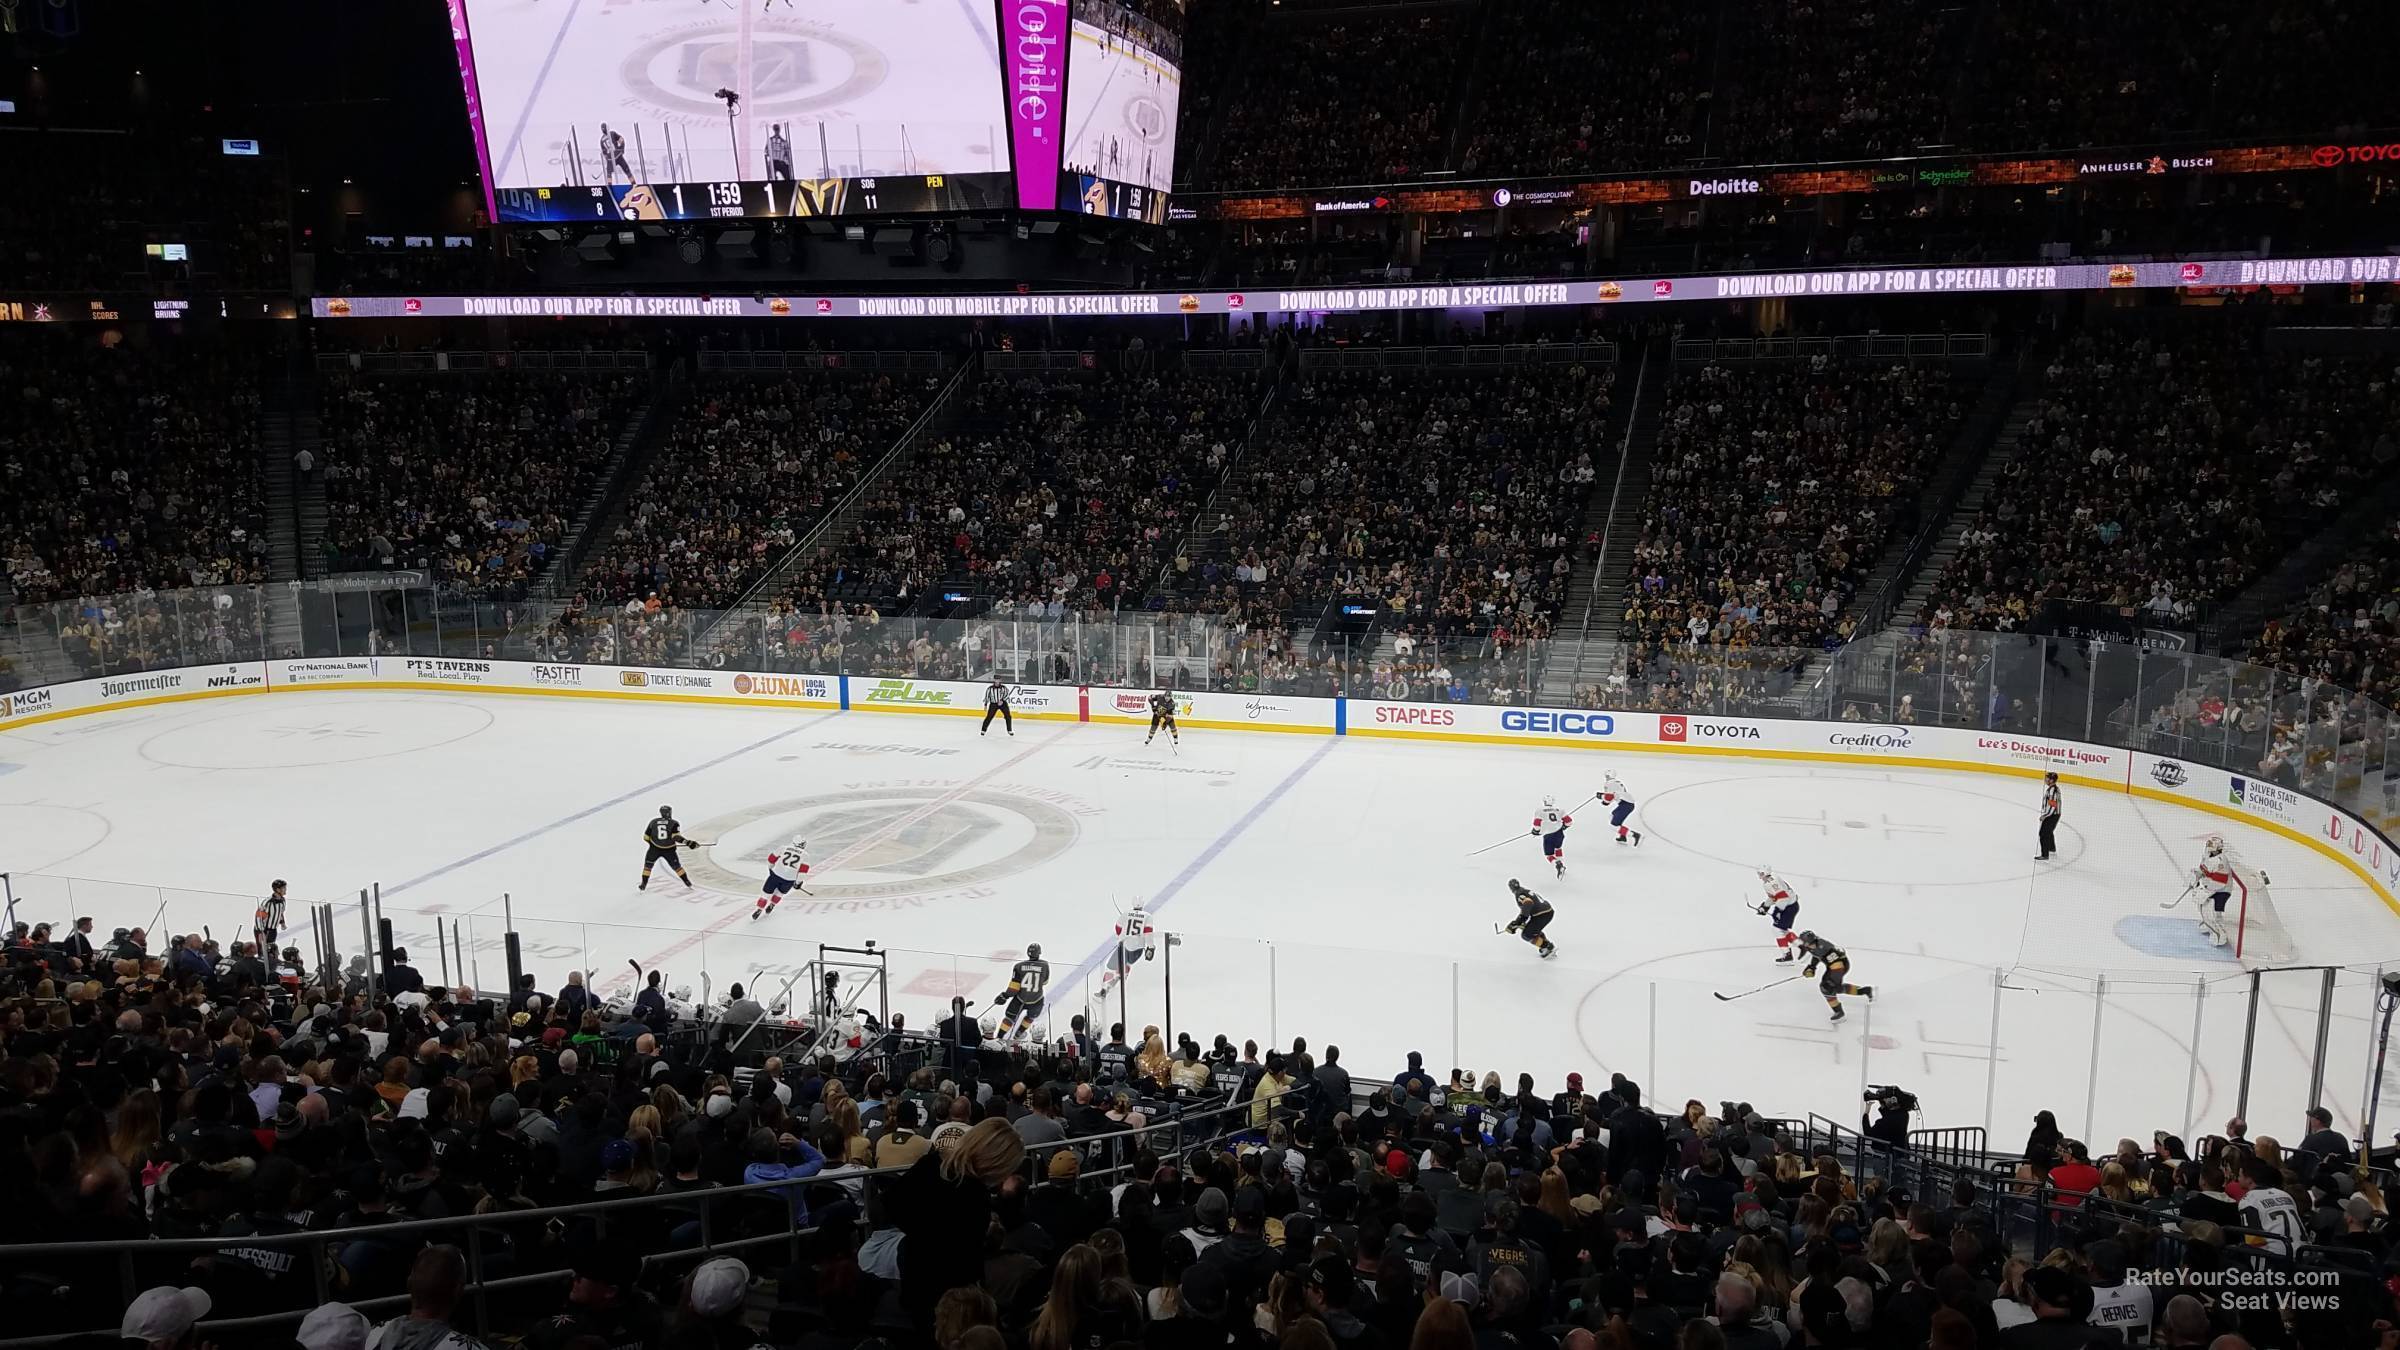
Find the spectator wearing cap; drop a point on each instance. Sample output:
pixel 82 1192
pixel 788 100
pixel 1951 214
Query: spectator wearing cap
pixel 604 1304
pixel 1210 1214
pixel 709 1317
pixel 2324 1140
pixel 1245 1257
pixel 164 1319
pixel 1058 1206
pixel 2073 1175
pixel 435 1282
pixel 2358 1227
pixel 333 1326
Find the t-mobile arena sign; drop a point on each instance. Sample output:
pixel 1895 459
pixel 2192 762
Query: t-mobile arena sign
pixel 1036 50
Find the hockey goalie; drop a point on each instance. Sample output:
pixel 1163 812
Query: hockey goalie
pixel 2220 875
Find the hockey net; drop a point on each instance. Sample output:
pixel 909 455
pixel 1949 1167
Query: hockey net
pixel 2260 940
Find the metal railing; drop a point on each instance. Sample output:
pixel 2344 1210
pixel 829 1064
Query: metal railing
pixel 706 1230
pixel 1872 346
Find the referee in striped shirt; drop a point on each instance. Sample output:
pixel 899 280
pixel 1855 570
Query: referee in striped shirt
pixel 2049 816
pixel 995 700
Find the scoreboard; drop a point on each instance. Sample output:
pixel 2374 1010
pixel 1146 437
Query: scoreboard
pixel 798 198
pixel 668 112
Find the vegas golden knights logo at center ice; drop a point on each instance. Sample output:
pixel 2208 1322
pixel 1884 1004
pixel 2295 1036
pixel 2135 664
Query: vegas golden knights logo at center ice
pixel 946 840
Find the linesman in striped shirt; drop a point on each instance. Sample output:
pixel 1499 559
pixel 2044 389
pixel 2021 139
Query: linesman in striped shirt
pixel 995 702
pixel 2049 817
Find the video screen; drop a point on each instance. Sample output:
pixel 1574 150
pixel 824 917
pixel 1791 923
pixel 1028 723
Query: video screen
pixel 728 108
pixel 1124 83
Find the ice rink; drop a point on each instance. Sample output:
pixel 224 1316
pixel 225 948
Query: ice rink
pixel 1318 886
pixel 1123 98
pixel 860 87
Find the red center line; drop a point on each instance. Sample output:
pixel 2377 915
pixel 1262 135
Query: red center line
pixel 865 842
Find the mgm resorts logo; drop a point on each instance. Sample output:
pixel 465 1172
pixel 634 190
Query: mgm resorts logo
pixel 875 843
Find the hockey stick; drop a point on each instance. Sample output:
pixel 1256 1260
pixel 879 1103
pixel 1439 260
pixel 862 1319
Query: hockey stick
pixel 1502 844
pixel 2179 899
pixel 1728 998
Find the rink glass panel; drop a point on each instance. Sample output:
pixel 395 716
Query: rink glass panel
pixel 2169 1046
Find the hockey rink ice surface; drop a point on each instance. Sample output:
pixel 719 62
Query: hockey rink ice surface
pixel 857 69
pixel 1121 99
pixel 1320 887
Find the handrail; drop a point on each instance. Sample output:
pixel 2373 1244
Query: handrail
pixel 901 446
pixel 1259 418
pixel 29 1256
pixel 1608 523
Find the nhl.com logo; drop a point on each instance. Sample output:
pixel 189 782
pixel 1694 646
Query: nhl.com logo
pixel 2168 773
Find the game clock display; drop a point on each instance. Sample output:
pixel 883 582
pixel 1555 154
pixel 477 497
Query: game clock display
pixel 792 197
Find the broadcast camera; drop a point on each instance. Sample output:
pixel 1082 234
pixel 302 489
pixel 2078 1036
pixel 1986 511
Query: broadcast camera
pixel 1893 1107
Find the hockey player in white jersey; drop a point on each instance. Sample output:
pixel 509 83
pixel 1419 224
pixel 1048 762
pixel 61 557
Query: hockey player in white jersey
pixel 1133 944
pixel 1551 824
pixel 1612 794
pixel 784 871
pixel 1781 908
pixel 2214 880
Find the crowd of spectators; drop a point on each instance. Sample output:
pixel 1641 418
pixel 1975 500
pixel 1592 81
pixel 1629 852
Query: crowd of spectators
pixel 2164 469
pixel 1774 489
pixel 1051 495
pixel 748 468
pixel 1805 82
pixel 961 1193
pixel 1582 88
pixel 472 480
pixel 2347 631
pixel 128 468
pixel 1355 100
pixel 1453 503
pixel 1614 88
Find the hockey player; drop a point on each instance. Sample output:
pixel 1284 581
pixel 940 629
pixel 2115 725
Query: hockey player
pixel 995 703
pixel 663 836
pixel 2214 878
pixel 1837 964
pixel 269 916
pixel 1133 944
pixel 1162 715
pixel 784 871
pixel 1781 908
pixel 1026 986
pixel 1612 794
pixel 1533 915
pixel 1551 824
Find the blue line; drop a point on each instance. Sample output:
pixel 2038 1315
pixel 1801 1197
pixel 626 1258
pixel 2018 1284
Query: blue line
pixel 1208 855
pixel 540 78
pixel 990 43
pixel 619 800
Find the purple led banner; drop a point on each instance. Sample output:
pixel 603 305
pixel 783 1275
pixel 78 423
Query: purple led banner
pixel 1033 41
pixel 465 44
pixel 2373 269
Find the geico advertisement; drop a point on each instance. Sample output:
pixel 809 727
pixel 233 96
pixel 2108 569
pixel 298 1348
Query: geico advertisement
pixel 1564 725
